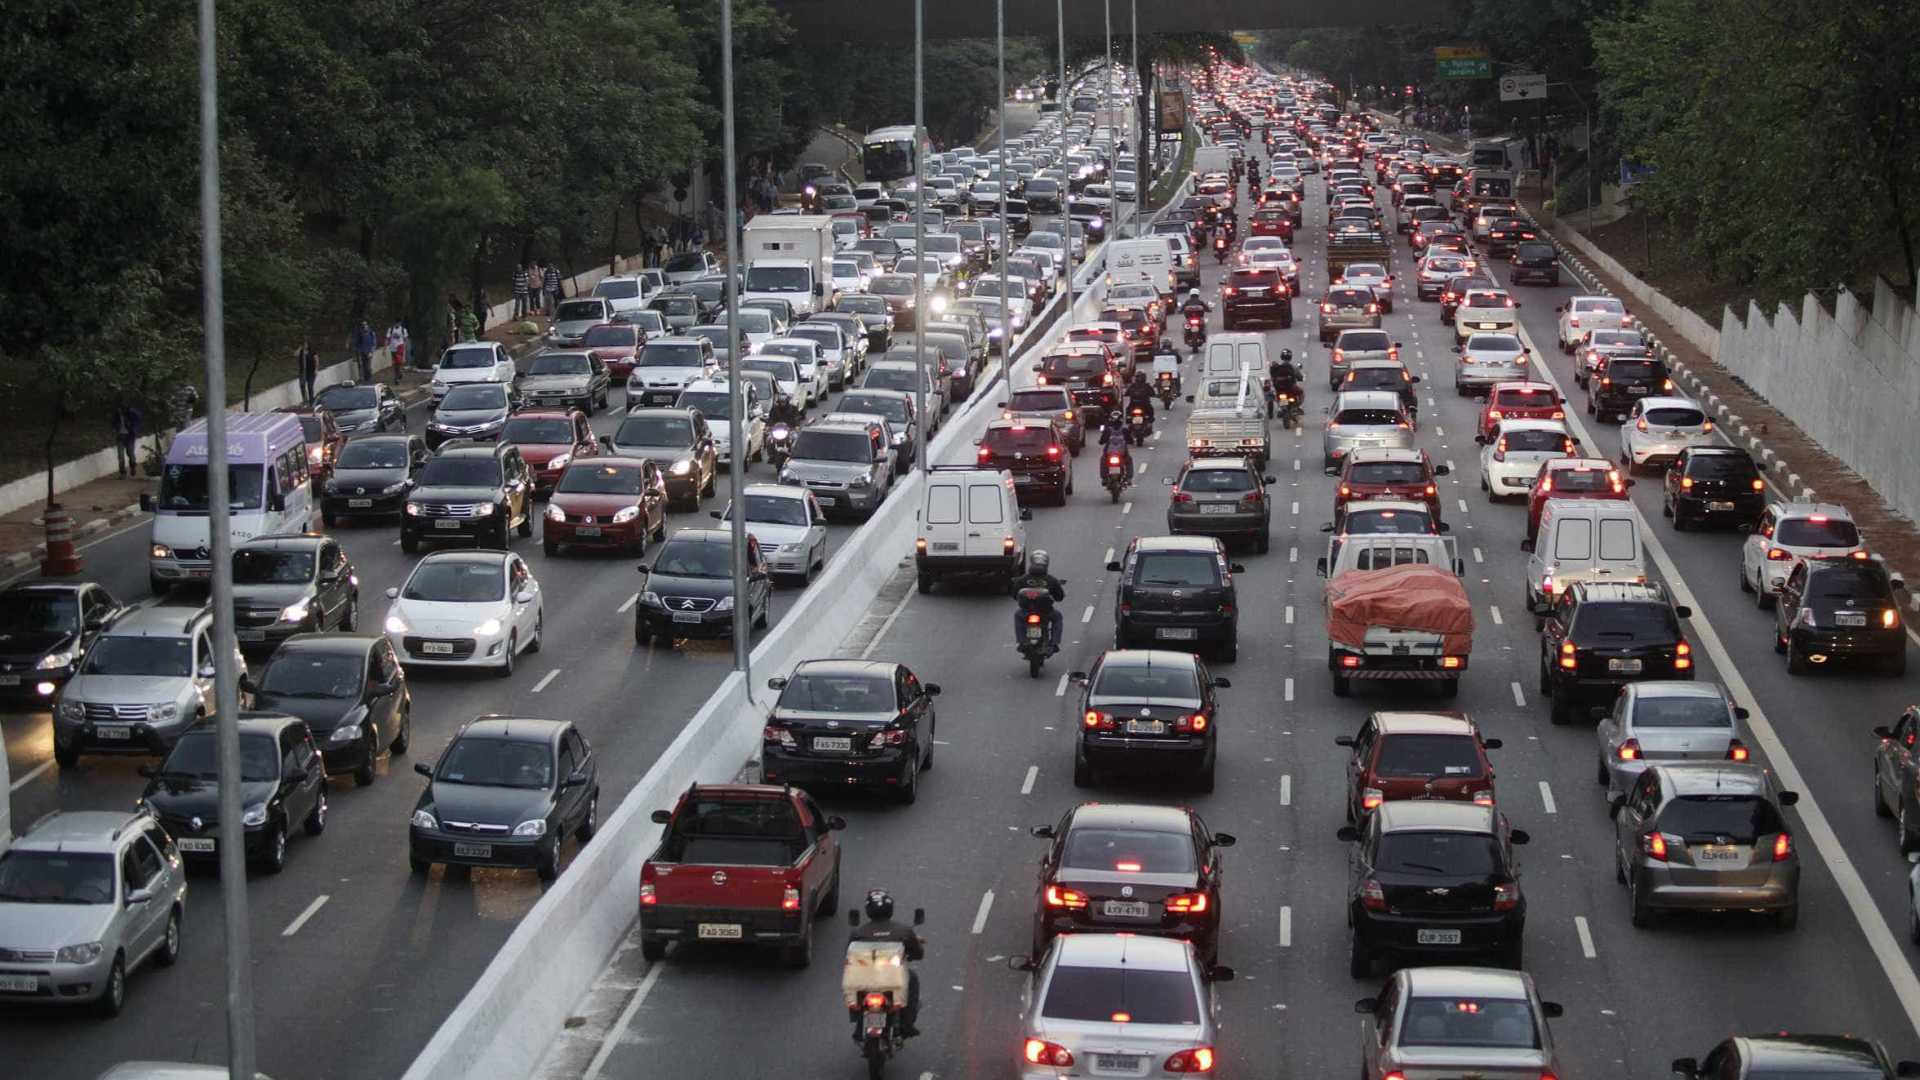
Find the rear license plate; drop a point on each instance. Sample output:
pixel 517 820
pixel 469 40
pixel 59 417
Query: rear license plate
pixel 1177 633
pixel 710 931
pixel 113 731
pixel 199 571
pixel 1125 909
pixel 437 648
pixel 19 984
pixel 686 616
pixel 1035 633
pixel 359 504
pixel 9 680
pixel 1716 853
pixel 1121 1063
pixel 1624 667
pixel 1850 618
pixel 837 743
pixel 473 851
pixel 1636 391
pixel 1220 508
pixel 1719 506
pixel 1436 937
pixel 196 845
pixel 945 545
pixel 1146 727
pixel 250 635
pixel 1023 478
pixel 1488 325
pixel 587 530
pixel 446 523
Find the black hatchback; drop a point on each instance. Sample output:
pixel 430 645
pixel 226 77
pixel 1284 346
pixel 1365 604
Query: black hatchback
pixel 1837 609
pixel 1177 592
pixel 351 691
pixel 689 588
pixel 45 628
pixel 1600 636
pixel 1713 484
pixel 283 784
pixel 1433 879
pixel 506 793
pixel 1533 260
pixel 372 476
pixel 1150 711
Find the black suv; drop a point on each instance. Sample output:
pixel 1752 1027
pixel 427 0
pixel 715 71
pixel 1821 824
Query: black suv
pixel 1600 636
pixel 1840 608
pixel 351 691
pixel 1433 879
pixel 1713 483
pixel 1618 381
pixel 1533 260
pixel 372 476
pixel 1255 294
pixel 1178 591
pixel 45 628
pixel 292 584
pixel 470 490
pixel 1088 376
pixel 1034 451
pixel 1148 711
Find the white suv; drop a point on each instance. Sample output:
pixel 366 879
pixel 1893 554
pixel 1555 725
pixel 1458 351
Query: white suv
pixel 1789 532
pixel 1582 315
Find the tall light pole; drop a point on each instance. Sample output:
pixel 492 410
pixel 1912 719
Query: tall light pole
pixel 1064 100
pixel 920 146
pixel 1139 123
pixel 736 439
pixel 226 679
pixel 1006 329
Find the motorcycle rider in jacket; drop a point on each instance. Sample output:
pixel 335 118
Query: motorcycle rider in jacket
pixel 881 927
pixel 1037 578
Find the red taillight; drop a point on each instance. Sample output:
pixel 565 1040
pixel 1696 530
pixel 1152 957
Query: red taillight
pixel 1095 720
pixel 1655 845
pixel 1373 309
pixel 1568 659
pixel 1345 491
pixel 1759 485
pixel 1451 663
pixel 1782 847
pixel 1326 309
pixel 775 733
pixel 1058 897
pixel 1194 903
pixel 1630 750
pixel 1737 751
pixel 790 899
pixel 1349 660
pixel 1493 414
pixel 986 455
pixel 1053 452
pixel 1180 497
pixel 1197 1060
pixel 1041 1052
pixel 1033 620
pixel 1506 897
pixel 1196 722
pixel 1432 491
pixel 647 896
pixel 1641 423
pixel 1339 356
pixel 1686 483
pixel 1546 483
pixel 1372 897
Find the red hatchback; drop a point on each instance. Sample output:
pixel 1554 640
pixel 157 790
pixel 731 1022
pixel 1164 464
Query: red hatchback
pixel 1381 473
pixel 1416 755
pixel 1520 401
pixel 1573 478
pixel 1272 220
pixel 607 502
pixel 617 344
pixel 548 440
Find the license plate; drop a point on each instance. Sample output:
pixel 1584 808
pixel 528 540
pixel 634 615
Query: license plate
pixel 198 845
pixel 250 635
pixel 587 530
pixel 1220 508
pixel 1436 937
pixel 199 571
pixel 1035 633
pixel 437 648
pixel 1146 727
pixel 837 743
pixel 1719 506
pixel 446 523
pixel 1850 618
pixel 1717 853
pixel 9 680
pixel 1023 478
pixel 1636 391
pixel 946 545
pixel 1625 667
pixel 1117 1062
pixel 1177 633
pixel 359 504
pixel 19 984
pixel 825 500
pixel 473 851
pixel 113 731
pixel 686 616
pixel 720 931
pixel 1125 909
pixel 1488 325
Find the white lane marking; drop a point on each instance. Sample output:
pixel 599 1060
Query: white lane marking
pixel 1033 773
pixel 1286 789
pixel 892 616
pixel 1142 468
pixel 1127 507
pixel 1463 506
pixel 618 1033
pixel 980 917
pixel 1477 557
pixel 628 606
pixel 1289 689
pixel 1087 615
pixel 1494 610
pixel 1289 614
pixel 1296 508
pixel 1586 937
pixel 1293 554
pixel 1286 926
pixel 545 679
pixel 1296 464
pixel 1060 688
pixel 1438 430
pixel 30 776
pixel 1519 698
pixel 1546 798
pixel 300 920
pixel 1109 557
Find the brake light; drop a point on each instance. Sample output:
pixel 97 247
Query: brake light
pixel 1450 663
pixel 1737 751
pixel 1641 423
pixel 1095 720
pixel 1194 903
pixel 1041 1052
pixel 1803 618
pixel 1682 656
pixel 1181 497
pixel 1686 483
pixel 1759 485
pixel 1857 555
pixel 1053 451
pixel 775 733
pixel 1483 797
pixel 1568 659
pixel 790 898
pixel 986 455
pixel 1339 356
pixel 1777 555
pixel 1506 896
pixel 1373 309
pixel 1500 450
pixel 1033 620
pixel 1655 846
pixel 1630 750
pixel 1574 322
pixel 1494 414
pixel 1371 798
pixel 1782 847
pixel 1006 544
pixel 1327 308
pixel 1196 722
pixel 876 1002
pixel 1608 381
pixel 1509 301
pixel 1058 897
pixel 1127 867
pixel 1432 491
pixel 1349 661
pixel 1708 426
pixel 1372 896
pixel 1546 483
pixel 1197 1060
pixel 1666 384
pixel 647 896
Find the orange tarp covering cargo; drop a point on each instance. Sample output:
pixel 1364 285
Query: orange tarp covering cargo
pixel 1423 598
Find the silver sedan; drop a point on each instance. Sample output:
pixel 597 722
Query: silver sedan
pixel 1487 359
pixel 1118 1005
pixel 1666 720
pixel 1458 1021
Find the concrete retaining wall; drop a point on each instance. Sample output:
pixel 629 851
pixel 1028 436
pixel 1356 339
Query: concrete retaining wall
pixel 1694 329
pixel 1849 380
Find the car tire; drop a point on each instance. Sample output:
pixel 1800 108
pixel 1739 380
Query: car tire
pixel 549 546
pixel 276 859
pixel 525 527
pixel 1787 918
pixel 641 635
pixel 1639 910
pixel 1229 650
pixel 416 864
pixel 1558 710
pixel 1797 662
pixel 1511 954
pixel 1907 829
pixel 1203 780
pixel 408 543
pixel 114 997
pixel 909 792
pixel 503 533
pixel 327 518
pixel 800 954
pixel 505 670
pixel 316 822
pixel 404 737
pixel 1600 775
pixel 924 583
pixel 1342 686
pixel 546 863
pixel 1762 599
pixel 1359 957
pixel 1263 542
pixel 539 632
pixel 1082 770
pixel 364 775
pixel 65 757
pixel 168 954
pixel 1895 666
pixel 653 951
pixel 591 821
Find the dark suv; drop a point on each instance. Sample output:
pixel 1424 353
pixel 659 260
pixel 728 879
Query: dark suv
pixel 1618 381
pixel 293 584
pixel 1178 592
pixel 1255 294
pixel 1600 636
pixel 470 490
pixel 1713 483
pixel 1087 373
pixel 1034 452
pixel 1433 879
pixel 1533 260
pixel 1840 609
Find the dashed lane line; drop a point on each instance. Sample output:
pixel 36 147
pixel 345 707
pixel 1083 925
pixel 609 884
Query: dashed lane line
pixel 1026 786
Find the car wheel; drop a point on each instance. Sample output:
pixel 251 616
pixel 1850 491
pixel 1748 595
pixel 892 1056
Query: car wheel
pixel 909 792
pixel 327 519
pixel 276 859
pixel 316 822
pixel 549 546
pixel 405 737
pixel 641 635
pixel 1511 953
pixel 1785 919
pixel 706 489
pixel 408 543
pixel 1203 780
pixel 800 954
pixel 114 997
pixel 65 757
pixel 546 864
pixel 1342 686
pixel 1762 599
pixel 525 527
pixel 505 670
pixel 363 776
pixel 1905 825
pixel 1559 710
pixel 1229 650
pixel 169 951
pixel 503 533
pixel 1263 542
pixel 539 631
pixel 592 819
pixel 1082 770
pixel 1639 911
pixel 1359 958
pixel 416 864
pixel 1895 666
pixel 1913 919
pixel 760 620
pixel 924 583
pixel 1797 662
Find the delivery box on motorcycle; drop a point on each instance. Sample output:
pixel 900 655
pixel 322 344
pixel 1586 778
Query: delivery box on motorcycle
pixel 875 967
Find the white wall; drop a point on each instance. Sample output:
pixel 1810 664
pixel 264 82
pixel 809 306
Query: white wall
pixel 1691 327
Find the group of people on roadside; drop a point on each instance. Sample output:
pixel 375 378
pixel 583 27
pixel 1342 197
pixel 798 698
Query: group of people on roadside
pixel 536 289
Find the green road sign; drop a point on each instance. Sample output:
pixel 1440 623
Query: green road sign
pixel 1467 68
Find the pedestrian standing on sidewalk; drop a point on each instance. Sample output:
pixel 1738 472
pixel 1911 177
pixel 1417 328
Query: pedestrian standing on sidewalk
pixel 482 307
pixel 397 348
pixel 552 281
pixel 126 438
pixel 520 296
pixel 469 323
pixel 309 362
pixel 536 288
pixel 363 345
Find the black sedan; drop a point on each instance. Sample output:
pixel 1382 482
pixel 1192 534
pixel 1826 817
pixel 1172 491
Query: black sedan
pixel 1129 868
pixel 357 408
pixel 1151 711
pixel 283 783
pixel 506 793
pixel 1431 879
pixel 845 722
pixel 351 691
pixel 689 588
pixel 45 627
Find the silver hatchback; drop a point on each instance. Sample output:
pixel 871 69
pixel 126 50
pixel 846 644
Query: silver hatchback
pixel 1706 837
pixel 1458 1021
pixel 1665 720
pixel 1118 1005
pixel 1486 359
pixel 1361 419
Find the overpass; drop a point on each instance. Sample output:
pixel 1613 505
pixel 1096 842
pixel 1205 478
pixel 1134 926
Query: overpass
pixel 892 20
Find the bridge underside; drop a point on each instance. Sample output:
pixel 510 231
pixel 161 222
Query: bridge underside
pixel 892 20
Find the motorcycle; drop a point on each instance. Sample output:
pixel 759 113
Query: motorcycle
pixel 1139 425
pixel 1290 407
pixel 1220 247
pixel 876 984
pixel 1032 643
pixel 1168 387
pixel 779 445
pixel 1196 331
pixel 1115 475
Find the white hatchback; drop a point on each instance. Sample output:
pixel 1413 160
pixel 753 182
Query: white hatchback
pixel 1658 428
pixel 1488 310
pixel 1584 314
pixel 466 609
pixel 1510 457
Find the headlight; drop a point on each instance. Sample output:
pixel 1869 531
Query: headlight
pixel 396 624
pixel 863 480
pixel 296 611
pixel 254 815
pixel 439 387
pixel 560 462
pixel 55 660
pixel 70 710
pixel 536 827
pixel 790 549
pixel 682 467
pixel 413 509
pixel 625 514
pixel 79 954
pixel 424 819
pixel 725 604
pixel 554 513
pixel 487 629
pixel 650 599
pixel 484 510
pixel 163 713
pixel 161 551
pixel 345 733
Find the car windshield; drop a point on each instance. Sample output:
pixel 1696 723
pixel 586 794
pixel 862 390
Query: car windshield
pixel 1217 480
pixel 813 444
pixel 774 510
pixel 693 262
pixel 1439 854
pixel 456 581
pixel 694 558
pixel 1676 417
pixel 791 279
pixel 755 321
pixel 1537 397
pixel 792 350
pixel 1428 755
pixel 1037 401
pixel 609 336
pixel 679 304
pixel 1367 417
pixel 837 693
pixel 1721 467
pixel 1451 1021
pixel 1639 622
pixel 1534 440
pixel 892 408
pixel 1350 298
pixel 670 355
pixel 461 471
pixel 781 370
pixel 713 404
pixel 1366 341
pixel 1190 568
pixel 888 378
pixel 463 359
pixel 56 877
pixel 1075 365
pixel 1816 532
pixel 184 487
pixel 1018 440
pixel 473 398
pixel 1680 711
pixel 128 655
pixel 39 612
pixel 341 399
pixel 1582 479
pixel 1386 472
pixel 590 478
pixel 1850 581
pixel 485 762
pixel 1133 681
pixel 869 305
pixel 312 428
pixel 1134 851
pixel 1535 251
pixel 306 673
pixel 639 323
pixel 1741 819
pixel 559 364
pixel 1630 338
pixel 891 285
pixel 580 310
pixel 675 431
pixel 265 566
pixel 373 454
pixel 617 288
pixel 197 755
pixel 1123 995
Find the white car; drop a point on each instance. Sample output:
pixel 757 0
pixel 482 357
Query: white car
pixel 1019 303
pixel 472 362
pixel 1787 533
pixel 715 405
pixel 466 609
pixel 786 521
pixel 1490 310
pixel 786 375
pixel 626 292
pixel 1583 314
pixel 757 326
pixel 836 352
pixel 665 365
pixel 1487 359
pixel 848 277
pixel 806 353
pixel 1510 457
pixel 1658 428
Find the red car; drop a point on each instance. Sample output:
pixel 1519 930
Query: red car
pixel 617 344
pixel 1573 478
pixel 548 439
pixel 1521 401
pixel 1381 473
pixel 324 440
pixel 1272 221
pixel 607 502
pixel 1416 755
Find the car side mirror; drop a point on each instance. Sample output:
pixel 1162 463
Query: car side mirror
pixel 1614 805
pixel 933 689
pixel 1113 565
pixel 642 568
pixel 1320 566
pixel 662 817
pixel 1221 839
pixel 1491 744
pixel 919 916
pixel 1598 712
pixel 715 515
pixel 1237 568
pixel 1526 545
pixel 1456 348
pixel 276 501
pixel 1520 836
pixel 1219 973
pixel 1042 832
pixel 151 771
pixel 1077 677
pixel 139 896
pixel 423 769
pixel 1690 1067
pixel 1683 611
pixel 836 823
pixel 1020 962
pixel 1907 1068
pixel 1552 1010
pixel 1740 712
pixel 1343 740
pixel 1365 1006
pixel 606 442
pixel 207 671
pixel 1222 684
pixel 1789 798
pixel 1331 470
pixel 1269 479
pixel 999 404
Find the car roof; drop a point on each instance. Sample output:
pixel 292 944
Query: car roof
pixel 470 448
pixel 162 620
pixel 541 412
pixel 1671 402
pixel 78 830
pixel 19 587
pixel 675 339
pixel 1366 399
pixel 514 728
pixel 703 536
pixel 1398 506
pixel 778 491
pixel 1177 543
pixel 1218 464
pixel 1811 1053
pixel 1506 424
pixel 352 644
pixel 1616 591
pixel 850 426
pixel 1435 815
pixel 1671 688
pixel 1437 722
pixel 1133 658
pixel 1113 950
pixel 1713 778
pixel 482 556
pixel 1373 455
pixel 1467 982
pixel 842 666
pixel 1172 819
pixel 1813 509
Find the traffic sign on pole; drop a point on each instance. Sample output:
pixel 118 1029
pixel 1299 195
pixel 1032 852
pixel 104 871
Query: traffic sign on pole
pixel 1463 68
pixel 1523 87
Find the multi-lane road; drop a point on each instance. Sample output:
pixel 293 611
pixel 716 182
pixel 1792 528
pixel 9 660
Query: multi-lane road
pixel 1635 999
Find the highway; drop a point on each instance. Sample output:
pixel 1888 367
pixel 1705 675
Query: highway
pixel 1635 999
pixel 356 960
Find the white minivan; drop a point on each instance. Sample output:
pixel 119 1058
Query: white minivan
pixel 268 491
pixel 1147 259
pixel 1582 540
pixel 971 525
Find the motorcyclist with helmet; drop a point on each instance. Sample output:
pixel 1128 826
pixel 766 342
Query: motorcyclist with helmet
pixel 881 927
pixel 1140 395
pixel 1038 591
pixel 1194 305
pixel 1284 379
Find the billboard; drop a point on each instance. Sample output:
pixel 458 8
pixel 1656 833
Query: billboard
pixel 1171 116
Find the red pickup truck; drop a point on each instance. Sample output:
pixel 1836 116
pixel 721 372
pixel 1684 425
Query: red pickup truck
pixel 750 864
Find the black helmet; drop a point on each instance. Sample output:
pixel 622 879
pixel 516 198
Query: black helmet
pixel 1286 354
pixel 1037 563
pixel 879 904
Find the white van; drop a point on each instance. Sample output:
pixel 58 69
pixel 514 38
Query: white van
pixel 268 492
pixel 1582 540
pixel 1148 259
pixel 971 525
pixel 1235 354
